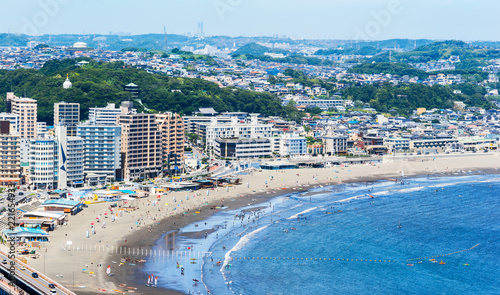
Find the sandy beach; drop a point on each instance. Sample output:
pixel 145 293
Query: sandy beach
pixel 69 251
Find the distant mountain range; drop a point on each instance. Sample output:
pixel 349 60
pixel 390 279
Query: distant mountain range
pixel 156 42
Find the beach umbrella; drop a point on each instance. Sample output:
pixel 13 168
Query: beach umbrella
pixel 105 213
pixel 92 223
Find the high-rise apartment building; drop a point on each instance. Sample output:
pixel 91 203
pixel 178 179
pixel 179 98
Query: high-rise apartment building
pixel 67 114
pixel 171 127
pixel 26 109
pixel 43 170
pixel 70 159
pixel 10 155
pixel 101 149
pixel 140 146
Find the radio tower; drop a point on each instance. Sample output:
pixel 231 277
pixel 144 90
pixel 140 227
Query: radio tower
pixel 165 39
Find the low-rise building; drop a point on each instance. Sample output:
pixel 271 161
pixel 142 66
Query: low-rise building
pixel 234 148
pixel 293 145
pixel 335 144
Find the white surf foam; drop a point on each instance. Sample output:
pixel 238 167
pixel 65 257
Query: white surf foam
pixel 303 212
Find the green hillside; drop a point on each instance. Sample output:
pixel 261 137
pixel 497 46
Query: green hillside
pixel 255 49
pixel 399 69
pixel 406 98
pixel 99 83
pixel 471 57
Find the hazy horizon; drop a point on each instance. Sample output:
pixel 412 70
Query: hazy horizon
pixel 374 20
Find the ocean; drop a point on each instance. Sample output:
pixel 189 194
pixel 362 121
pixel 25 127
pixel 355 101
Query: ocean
pixel 429 236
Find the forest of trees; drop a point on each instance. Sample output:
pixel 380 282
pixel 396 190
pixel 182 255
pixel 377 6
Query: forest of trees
pixel 399 69
pixel 405 98
pixel 97 84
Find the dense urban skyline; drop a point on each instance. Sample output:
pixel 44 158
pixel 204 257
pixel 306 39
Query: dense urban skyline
pixel 315 19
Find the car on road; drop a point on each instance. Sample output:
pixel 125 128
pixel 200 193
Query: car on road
pixel 22 268
pixel 35 275
pixel 4 261
pixel 52 286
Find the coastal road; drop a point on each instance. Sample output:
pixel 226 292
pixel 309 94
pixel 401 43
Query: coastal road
pixel 24 273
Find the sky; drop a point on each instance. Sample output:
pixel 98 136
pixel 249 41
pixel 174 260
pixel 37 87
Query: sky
pixel 466 20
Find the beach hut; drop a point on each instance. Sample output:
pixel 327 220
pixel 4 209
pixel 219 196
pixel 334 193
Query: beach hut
pixel 62 205
pixel 25 234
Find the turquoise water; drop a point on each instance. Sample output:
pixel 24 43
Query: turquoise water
pixel 309 245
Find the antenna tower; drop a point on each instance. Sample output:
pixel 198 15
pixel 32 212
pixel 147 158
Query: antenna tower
pixel 165 39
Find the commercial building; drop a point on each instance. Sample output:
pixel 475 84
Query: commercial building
pixel 101 149
pixel 67 114
pixel 140 146
pixel 10 155
pixel 171 128
pixel 26 109
pixel 242 148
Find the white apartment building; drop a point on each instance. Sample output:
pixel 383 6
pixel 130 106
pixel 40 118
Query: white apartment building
pixel 26 109
pixel 293 145
pixel 101 148
pixel 13 119
pixel 43 163
pixel 70 159
pixel 253 129
pixel 397 143
pixel 106 115
pixel 42 129
pixel 324 104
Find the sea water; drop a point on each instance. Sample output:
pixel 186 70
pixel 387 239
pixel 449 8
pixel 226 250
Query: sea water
pixel 366 238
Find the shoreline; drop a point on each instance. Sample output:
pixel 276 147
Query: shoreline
pixel 144 237
pixel 131 271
